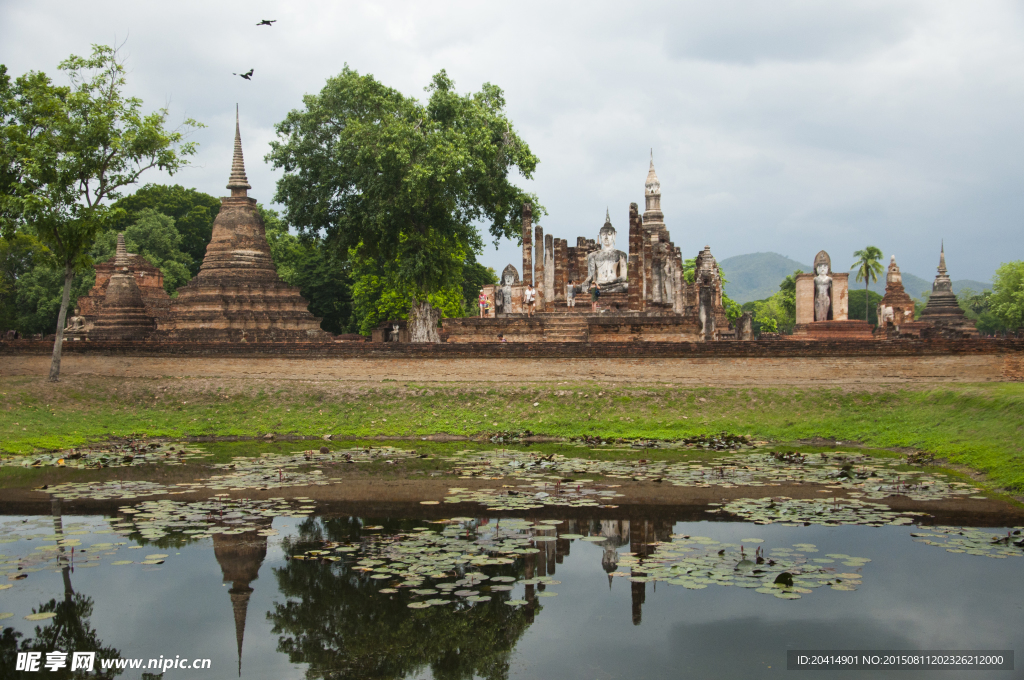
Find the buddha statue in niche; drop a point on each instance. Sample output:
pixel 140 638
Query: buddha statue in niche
pixel 607 266
pixel 822 287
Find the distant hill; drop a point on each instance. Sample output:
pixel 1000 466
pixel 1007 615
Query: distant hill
pixel 757 276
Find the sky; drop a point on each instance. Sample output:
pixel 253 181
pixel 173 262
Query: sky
pixel 788 126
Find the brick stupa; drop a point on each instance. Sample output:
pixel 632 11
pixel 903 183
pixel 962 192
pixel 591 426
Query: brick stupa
pixel 123 314
pixel 943 312
pixel 237 295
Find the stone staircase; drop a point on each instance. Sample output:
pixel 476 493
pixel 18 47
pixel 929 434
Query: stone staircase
pixel 565 328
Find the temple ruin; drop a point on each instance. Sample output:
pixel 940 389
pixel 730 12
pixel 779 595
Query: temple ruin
pixel 644 292
pixel 237 295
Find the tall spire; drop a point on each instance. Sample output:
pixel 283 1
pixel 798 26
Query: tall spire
pixel 652 200
pixel 942 281
pixel 607 216
pixel 121 254
pixel 238 183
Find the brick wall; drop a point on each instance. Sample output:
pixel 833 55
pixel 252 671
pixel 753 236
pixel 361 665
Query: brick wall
pixel 753 363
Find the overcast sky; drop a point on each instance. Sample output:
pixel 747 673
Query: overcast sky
pixel 786 126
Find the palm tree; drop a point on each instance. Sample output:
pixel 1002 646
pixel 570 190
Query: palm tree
pixel 868 270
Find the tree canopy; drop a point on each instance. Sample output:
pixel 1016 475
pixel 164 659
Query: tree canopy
pixel 868 269
pixel 401 184
pixel 69 151
pixel 193 213
pixel 1007 299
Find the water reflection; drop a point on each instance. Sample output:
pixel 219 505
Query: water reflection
pixel 349 619
pixel 240 557
pixel 69 628
pixel 334 619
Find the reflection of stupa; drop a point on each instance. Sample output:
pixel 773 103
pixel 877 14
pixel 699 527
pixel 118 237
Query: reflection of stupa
pixel 240 557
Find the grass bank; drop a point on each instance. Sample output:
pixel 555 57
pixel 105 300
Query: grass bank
pixel 978 426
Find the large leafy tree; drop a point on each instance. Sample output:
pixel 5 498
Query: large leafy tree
pixel 403 183
pixel 868 268
pixel 323 278
pixel 193 213
pixel 1007 299
pixel 69 151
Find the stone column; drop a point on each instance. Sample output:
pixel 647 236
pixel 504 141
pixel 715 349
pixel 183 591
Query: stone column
pixel 527 243
pixel 805 298
pixel 840 296
pixel 679 296
pixel 561 275
pixel 648 274
pixel 636 266
pixel 538 267
pixel 549 273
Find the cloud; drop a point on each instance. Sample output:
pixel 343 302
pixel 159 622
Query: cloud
pixel 788 126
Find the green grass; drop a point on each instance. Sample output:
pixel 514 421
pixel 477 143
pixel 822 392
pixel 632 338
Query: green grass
pixel 978 426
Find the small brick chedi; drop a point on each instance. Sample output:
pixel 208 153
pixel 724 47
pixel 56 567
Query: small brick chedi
pixel 943 314
pixel 237 295
pixel 644 295
pixel 116 308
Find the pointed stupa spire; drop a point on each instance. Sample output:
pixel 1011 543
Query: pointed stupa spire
pixel 121 254
pixel 238 183
pixel 942 281
pixel 654 219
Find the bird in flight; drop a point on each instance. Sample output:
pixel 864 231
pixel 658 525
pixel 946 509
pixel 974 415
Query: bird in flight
pixel 247 76
pixel 267 22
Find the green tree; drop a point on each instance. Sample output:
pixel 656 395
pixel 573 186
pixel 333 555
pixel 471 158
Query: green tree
pixel 19 254
pixel 868 268
pixel 857 304
pixel 402 183
pixel 978 308
pixel 193 213
pixel 1007 300
pixel 322 278
pixel 69 151
pixel 154 237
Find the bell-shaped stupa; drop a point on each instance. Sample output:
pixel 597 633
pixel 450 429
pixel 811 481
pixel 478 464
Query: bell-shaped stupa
pixel 122 315
pixel 237 295
pixel 943 311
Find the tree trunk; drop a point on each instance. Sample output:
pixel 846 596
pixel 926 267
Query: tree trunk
pixel 867 281
pixel 69 276
pixel 423 320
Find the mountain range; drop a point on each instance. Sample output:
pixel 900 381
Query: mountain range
pixel 757 276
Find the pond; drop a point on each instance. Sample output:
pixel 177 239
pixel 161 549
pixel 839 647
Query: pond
pixel 289 588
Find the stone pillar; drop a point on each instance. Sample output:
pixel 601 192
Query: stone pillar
pixel 840 296
pixel 538 267
pixel 561 256
pixel 636 266
pixel 648 275
pixel 679 301
pixel 527 243
pixel 745 327
pixel 805 298
pixel 581 258
pixel 550 293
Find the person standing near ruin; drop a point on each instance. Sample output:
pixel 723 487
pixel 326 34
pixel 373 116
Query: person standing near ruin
pixel 595 292
pixel 530 298
pixel 482 300
pixel 570 294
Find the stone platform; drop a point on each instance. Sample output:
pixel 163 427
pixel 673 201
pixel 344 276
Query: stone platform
pixel 575 324
pixel 832 330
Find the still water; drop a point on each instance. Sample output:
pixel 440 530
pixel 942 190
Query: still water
pixel 656 595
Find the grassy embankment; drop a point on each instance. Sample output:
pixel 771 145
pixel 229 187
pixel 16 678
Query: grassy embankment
pixel 977 426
